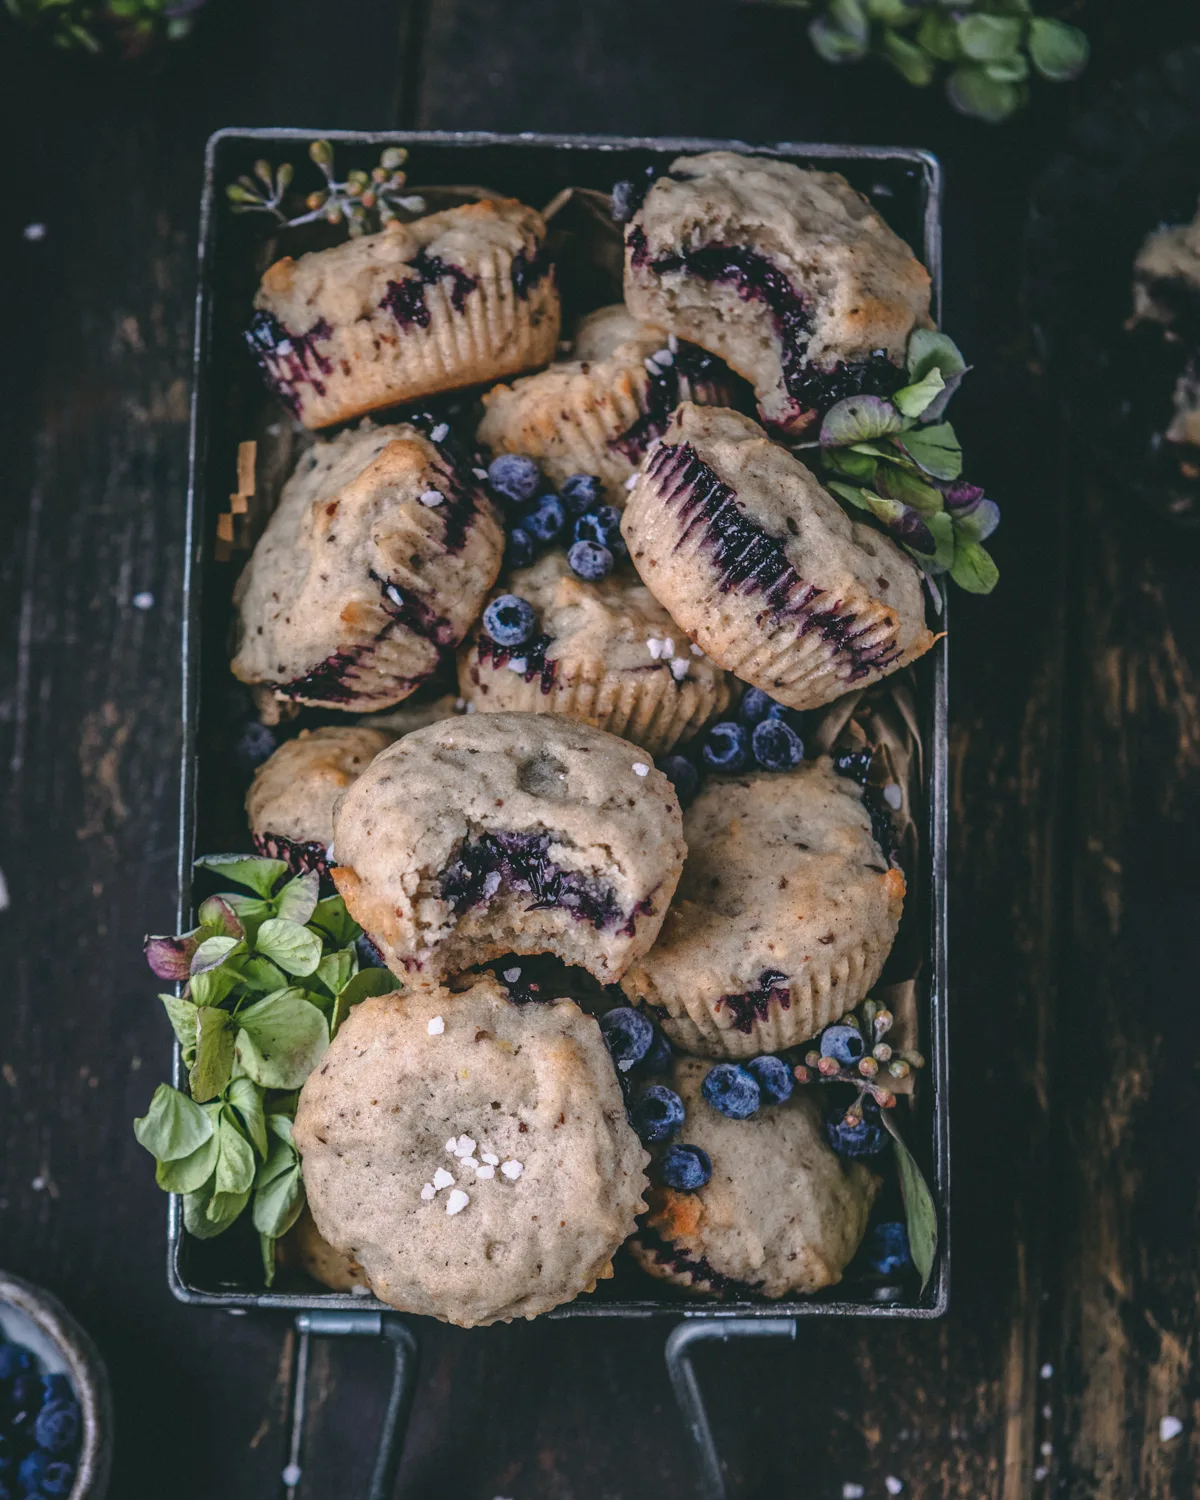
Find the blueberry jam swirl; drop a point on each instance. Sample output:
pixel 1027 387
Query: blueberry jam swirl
pixel 749 560
pixel 405 299
pixel 755 277
pixel 695 1266
pixel 300 858
pixel 692 375
pixel 529 267
pixel 855 765
pixel 532 653
pixel 521 862
pixel 289 360
pixel 754 1005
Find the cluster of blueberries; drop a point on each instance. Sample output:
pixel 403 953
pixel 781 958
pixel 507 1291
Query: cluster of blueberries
pixel 763 735
pixel 39 1428
pixel 537 517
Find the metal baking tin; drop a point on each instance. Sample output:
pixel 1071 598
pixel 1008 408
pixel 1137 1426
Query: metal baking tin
pixel 906 183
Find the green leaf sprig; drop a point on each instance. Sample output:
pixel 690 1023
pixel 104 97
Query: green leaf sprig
pixel 901 464
pixel 268 976
pixel 985 51
pixel 365 201
pixel 130 27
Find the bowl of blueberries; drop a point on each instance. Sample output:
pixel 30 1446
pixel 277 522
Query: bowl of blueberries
pixel 55 1404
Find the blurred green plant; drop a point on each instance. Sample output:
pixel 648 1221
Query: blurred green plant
pixel 985 51
pixel 128 28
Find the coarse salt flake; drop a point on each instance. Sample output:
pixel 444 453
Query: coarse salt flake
pixel 452 1145
pixel 436 1026
pixel 490 1158
pixel 485 1171
pixel 428 1192
pixel 34 232
pixel 853 1492
pixel 468 1161
pixel 432 497
pixel 491 884
pixel 144 600
pixel 695 650
pixel 512 1170
pixel 893 796
pixel 465 1147
pixel 640 768
pixel 1169 1428
pixel 442 1179
pixel 291 1476
pixel 457 1201
pixel 631 481
pixel 479 473
pixel 672 343
pixel 668 647
pixel 893 1485
pixel 440 433
pixel 518 664
pixel 511 976
pixel 654 646
pixel 1046 1371
pixel 679 669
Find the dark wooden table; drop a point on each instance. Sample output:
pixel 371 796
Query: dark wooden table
pixel 1076 791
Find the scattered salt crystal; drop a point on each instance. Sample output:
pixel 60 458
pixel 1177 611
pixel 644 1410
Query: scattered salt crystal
pixel 695 650
pixel 144 600
pixel 631 481
pixel 1040 1472
pixel 358 1290
pixel 442 1179
pixel 468 1161
pixel 853 1492
pixel 654 646
pixel 518 664
pixel 668 647
pixel 465 1147
pixel 664 359
pixel 479 473
pixel 640 768
pixel 490 1158
pixel 1046 1371
pixel 457 1201
pixel 511 976
pixel 672 343
pixel 485 1171
pixel 679 669
pixel 459 705
pixel 432 497
pixel 512 1170
pixel 428 1192
pixel 491 884
pixel 452 1145
pixel 893 796
pixel 1046 1449
pixel 39 1183
pixel 651 365
pixel 470 708
pixel 34 231
pixel 893 1485
pixel 1168 1428
pixel 394 594
pixel 329 855
pixel 440 433
pixel 436 1026
pixel 291 1475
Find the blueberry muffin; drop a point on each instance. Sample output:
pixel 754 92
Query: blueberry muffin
pixel 377 558
pixel 764 569
pixel 472 1155
pixel 780 1214
pixel 783 917
pixel 303 1249
pixel 789 275
pixel 597 412
pixel 291 799
pixel 605 653
pixel 454 299
pixel 508 833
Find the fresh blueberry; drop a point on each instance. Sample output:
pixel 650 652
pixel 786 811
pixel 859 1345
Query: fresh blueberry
pixel 629 1035
pixel 255 744
pixel 685 1168
pixel 369 956
pixel 14 1360
pixel 58 1387
pixel 657 1113
pixel 25 1397
pixel 886 1249
pixel 6 1456
pixel 726 747
pixel 590 561
pixel 856 764
pixel 522 549
pixel 776 745
pixel 731 1090
pixel 682 775
pixel 843 1043
pixel 33 1470
pixel 626 200
pixel 509 620
pixel 58 1479
pixel 660 1056
pixel 754 707
pixel 866 1138
pixel 773 1076
pixel 514 477
pixel 581 492
pixel 600 524
pixel 789 716
pixel 544 520
pixel 57 1426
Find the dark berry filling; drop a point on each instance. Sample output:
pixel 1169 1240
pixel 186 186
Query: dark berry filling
pixel 749 560
pixel 333 681
pixel 405 299
pixel 289 360
pixel 675 1259
pixel 529 267
pixel 300 858
pixel 521 862
pixel 692 375
pixel 855 765
pixel 754 1005
pixel 755 277
pixel 532 653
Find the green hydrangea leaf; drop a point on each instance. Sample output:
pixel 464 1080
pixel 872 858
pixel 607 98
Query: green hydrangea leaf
pixel 190 1172
pixel 214 1053
pixel 266 1249
pixel 214 985
pixel 858 419
pixel 849 464
pixel 252 912
pixel 842 32
pixel 1009 70
pixel 938 35
pixel 972 92
pixel 912 62
pixel 912 400
pixel 213 952
pixel 930 350
pixel 337 969
pixel 988 38
pixel 223 1209
pixel 973 568
pixel 182 1016
pixel 282 1038
pixel 899 484
pixel 366 982
pixel 942 529
pixel 235 1159
pixel 288 944
pixel 851 493
pixel 173 1127
pixel 218 918
pixel 934 449
pixel 258 875
pixel 1059 51
pixel 260 975
pixel 920 1212
pixel 298 899
pixel 245 1096
pixel 332 917
pixel 891 12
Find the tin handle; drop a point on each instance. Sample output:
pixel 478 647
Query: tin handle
pixel 405 1361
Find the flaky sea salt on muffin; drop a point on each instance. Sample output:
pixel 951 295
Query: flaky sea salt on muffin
pixel 508 833
pixel 290 801
pixel 453 299
pixel 472 1155
pixel 782 920
pixel 597 412
pixel 780 1214
pixel 377 558
pixel 763 568
pixel 789 275
pixel 605 653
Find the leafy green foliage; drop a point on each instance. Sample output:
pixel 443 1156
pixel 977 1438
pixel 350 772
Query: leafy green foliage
pixel 128 27
pixel 269 976
pixel 985 50
pixel 364 202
